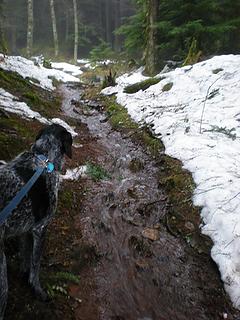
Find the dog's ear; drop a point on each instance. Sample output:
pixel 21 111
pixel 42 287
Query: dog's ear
pixel 67 144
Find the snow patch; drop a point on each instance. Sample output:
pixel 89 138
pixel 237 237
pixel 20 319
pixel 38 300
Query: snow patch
pixel 67 68
pixel 10 103
pixel 74 174
pixel 26 68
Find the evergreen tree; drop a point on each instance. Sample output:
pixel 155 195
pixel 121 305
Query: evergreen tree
pixel 211 26
pixel 134 30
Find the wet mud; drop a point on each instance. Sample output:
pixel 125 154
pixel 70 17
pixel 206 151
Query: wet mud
pixel 142 271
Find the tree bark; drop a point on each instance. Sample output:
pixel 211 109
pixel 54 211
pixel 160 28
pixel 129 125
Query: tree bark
pixel 30 28
pixel 67 24
pixel 117 41
pixel 108 23
pixel 75 31
pixel 151 57
pixel 54 26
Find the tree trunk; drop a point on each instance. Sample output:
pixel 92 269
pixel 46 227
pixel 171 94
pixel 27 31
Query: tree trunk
pixel 117 40
pixel 151 58
pixel 75 31
pixel 30 28
pixel 102 19
pixel 14 39
pixel 67 24
pixel 108 23
pixel 54 26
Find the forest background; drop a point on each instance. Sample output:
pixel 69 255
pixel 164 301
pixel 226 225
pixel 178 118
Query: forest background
pixel 148 31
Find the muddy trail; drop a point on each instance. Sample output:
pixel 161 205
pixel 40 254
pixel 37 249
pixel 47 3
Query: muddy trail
pixel 143 271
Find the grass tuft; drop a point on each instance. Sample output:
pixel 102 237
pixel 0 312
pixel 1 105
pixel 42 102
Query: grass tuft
pixel 96 172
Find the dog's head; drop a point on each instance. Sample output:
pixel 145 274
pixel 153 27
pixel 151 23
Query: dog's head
pixel 52 138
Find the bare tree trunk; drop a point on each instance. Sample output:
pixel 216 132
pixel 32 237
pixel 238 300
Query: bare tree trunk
pixel 30 28
pixel 14 39
pixel 108 22
pixel 117 20
pixel 54 26
pixel 67 24
pixel 151 58
pixel 75 30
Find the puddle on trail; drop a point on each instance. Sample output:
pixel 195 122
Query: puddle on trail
pixel 144 272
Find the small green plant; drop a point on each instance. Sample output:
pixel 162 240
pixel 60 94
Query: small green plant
pixel 47 64
pixel 119 117
pixel 34 98
pixel 53 290
pixel 67 276
pixel 167 87
pixel 96 172
pixel 224 130
pixel 143 85
pixel 193 54
pixel 109 80
pixel 58 283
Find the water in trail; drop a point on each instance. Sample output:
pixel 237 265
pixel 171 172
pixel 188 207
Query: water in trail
pixel 144 273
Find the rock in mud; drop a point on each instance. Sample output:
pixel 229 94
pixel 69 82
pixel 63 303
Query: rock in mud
pixel 151 234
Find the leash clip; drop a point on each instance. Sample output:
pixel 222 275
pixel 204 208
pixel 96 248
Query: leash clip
pixel 45 163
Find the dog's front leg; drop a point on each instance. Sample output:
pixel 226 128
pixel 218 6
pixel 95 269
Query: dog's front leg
pixel 3 277
pixel 38 240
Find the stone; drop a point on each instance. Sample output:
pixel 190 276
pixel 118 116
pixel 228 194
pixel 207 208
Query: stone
pixel 151 234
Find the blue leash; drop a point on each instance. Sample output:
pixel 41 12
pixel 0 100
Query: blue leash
pixel 44 164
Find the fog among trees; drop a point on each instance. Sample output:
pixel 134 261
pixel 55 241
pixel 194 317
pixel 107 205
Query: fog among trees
pixel 63 27
pixel 149 31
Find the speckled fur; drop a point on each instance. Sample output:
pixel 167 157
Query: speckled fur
pixel 30 219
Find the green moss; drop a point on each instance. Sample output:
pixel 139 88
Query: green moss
pixel 47 64
pixel 66 276
pixel 216 71
pixel 121 121
pixel 96 172
pixel 179 186
pixel 32 97
pixel 167 87
pixel 15 136
pixel 37 98
pixel 66 198
pixel 153 144
pixel 118 116
pixel 143 85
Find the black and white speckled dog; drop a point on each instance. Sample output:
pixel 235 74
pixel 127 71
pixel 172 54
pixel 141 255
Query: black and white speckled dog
pixel 30 219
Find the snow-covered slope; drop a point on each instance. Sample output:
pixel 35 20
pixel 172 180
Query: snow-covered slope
pixel 26 68
pixel 198 120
